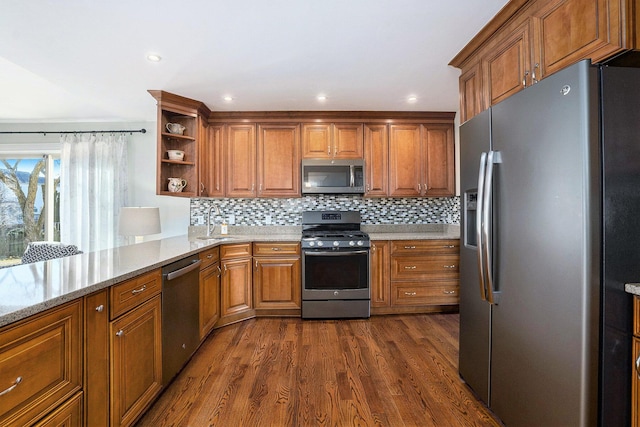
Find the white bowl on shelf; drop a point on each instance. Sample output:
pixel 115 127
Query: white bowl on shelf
pixel 175 154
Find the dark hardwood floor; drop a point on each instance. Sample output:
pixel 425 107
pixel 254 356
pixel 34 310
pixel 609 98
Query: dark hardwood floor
pixel 384 371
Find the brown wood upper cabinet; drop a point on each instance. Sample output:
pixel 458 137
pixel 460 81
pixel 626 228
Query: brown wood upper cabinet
pixel 530 39
pixel 376 160
pixel 332 141
pixel 211 162
pixel 421 160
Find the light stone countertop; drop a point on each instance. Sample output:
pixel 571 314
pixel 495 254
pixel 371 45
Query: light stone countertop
pixel 29 289
pixel 632 288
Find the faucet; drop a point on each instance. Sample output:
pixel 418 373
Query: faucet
pixel 217 211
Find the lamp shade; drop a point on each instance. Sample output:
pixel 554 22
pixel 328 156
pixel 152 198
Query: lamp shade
pixel 139 221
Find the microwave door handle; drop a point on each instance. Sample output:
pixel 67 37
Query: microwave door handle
pixel 482 170
pixel 352 178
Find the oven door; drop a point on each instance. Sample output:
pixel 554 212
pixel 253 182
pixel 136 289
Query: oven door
pixel 341 274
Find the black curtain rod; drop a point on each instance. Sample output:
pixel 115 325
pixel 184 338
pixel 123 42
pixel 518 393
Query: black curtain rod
pixel 77 131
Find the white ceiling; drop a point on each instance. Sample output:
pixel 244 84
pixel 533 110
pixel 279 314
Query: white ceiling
pixel 84 60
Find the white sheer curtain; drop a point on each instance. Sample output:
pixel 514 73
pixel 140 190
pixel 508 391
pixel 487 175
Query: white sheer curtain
pixel 93 188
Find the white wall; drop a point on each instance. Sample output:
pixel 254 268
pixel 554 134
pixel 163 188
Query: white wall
pixel 174 211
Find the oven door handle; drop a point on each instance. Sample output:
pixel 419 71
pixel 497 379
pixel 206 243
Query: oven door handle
pixel 338 253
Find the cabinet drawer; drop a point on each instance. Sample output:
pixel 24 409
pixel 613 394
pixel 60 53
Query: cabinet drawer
pixel 40 364
pixel 131 293
pixel 67 415
pixel 424 267
pixel 435 247
pixel 237 250
pixel 435 293
pixel 276 248
pixel 209 257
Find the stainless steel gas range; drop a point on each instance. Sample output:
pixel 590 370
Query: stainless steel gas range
pixel 335 266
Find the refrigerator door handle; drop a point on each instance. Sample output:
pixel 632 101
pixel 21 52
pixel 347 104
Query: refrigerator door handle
pixel 479 224
pixel 493 157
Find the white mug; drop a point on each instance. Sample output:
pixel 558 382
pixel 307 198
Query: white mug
pixel 176 184
pixel 176 128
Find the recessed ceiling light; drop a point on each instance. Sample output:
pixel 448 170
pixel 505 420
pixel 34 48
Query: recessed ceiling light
pixel 228 98
pixel 153 57
pixel 412 98
pixel 322 98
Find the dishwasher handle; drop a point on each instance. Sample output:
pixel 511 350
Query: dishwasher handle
pixel 184 270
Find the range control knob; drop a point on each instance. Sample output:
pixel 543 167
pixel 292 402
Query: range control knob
pixel 320 243
pixel 360 243
pixel 352 243
pixel 312 244
pixel 336 243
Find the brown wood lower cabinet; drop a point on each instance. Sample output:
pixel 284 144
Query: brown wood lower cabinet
pixel 635 375
pixel 412 276
pixel 40 364
pixel 210 273
pixel 136 361
pixel 236 283
pixel 276 278
pixel 67 415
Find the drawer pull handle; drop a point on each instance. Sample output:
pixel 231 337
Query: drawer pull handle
pixel 410 267
pixel 137 291
pixel 119 333
pixel 449 292
pixel 15 384
pixel 410 294
pixel 209 256
pixel 100 308
pixel 638 366
pixel 409 247
pixel 276 249
pixel 449 266
pixel 449 246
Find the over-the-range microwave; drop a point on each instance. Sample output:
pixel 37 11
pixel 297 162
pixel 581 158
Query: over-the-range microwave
pixel 326 176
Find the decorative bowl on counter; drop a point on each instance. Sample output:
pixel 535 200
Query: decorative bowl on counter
pixel 175 154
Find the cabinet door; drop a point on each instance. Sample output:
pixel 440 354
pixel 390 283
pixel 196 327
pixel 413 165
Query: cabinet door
pixel 209 298
pixel 96 359
pixel 380 277
pixel 136 361
pixel 507 68
pixel 316 141
pixel 567 31
pixel 278 160
pixel 348 141
pixel 236 286
pixel 405 160
pixel 212 162
pixel 69 414
pixel 472 97
pixel 277 282
pixel 40 364
pixel 376 154
pixel 439 162
pixel 240 151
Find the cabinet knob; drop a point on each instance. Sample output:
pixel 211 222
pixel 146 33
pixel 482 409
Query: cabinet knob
pixel 100 308
pixel 120 333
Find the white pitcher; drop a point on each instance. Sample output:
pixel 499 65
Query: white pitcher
pixel 176 184
pixel 175 128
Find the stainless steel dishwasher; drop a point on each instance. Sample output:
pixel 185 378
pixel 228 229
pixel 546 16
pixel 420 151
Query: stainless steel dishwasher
pixel 180 311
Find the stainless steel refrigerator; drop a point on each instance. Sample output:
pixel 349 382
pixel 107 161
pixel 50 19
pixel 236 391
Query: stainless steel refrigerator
pixel 550 182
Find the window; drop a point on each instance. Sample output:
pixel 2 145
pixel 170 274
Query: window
pixel 29 204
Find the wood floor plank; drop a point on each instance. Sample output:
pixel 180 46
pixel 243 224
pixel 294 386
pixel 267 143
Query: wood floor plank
pixel 385 371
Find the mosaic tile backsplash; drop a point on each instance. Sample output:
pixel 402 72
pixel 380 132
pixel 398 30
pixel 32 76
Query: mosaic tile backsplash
pixel 258 211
